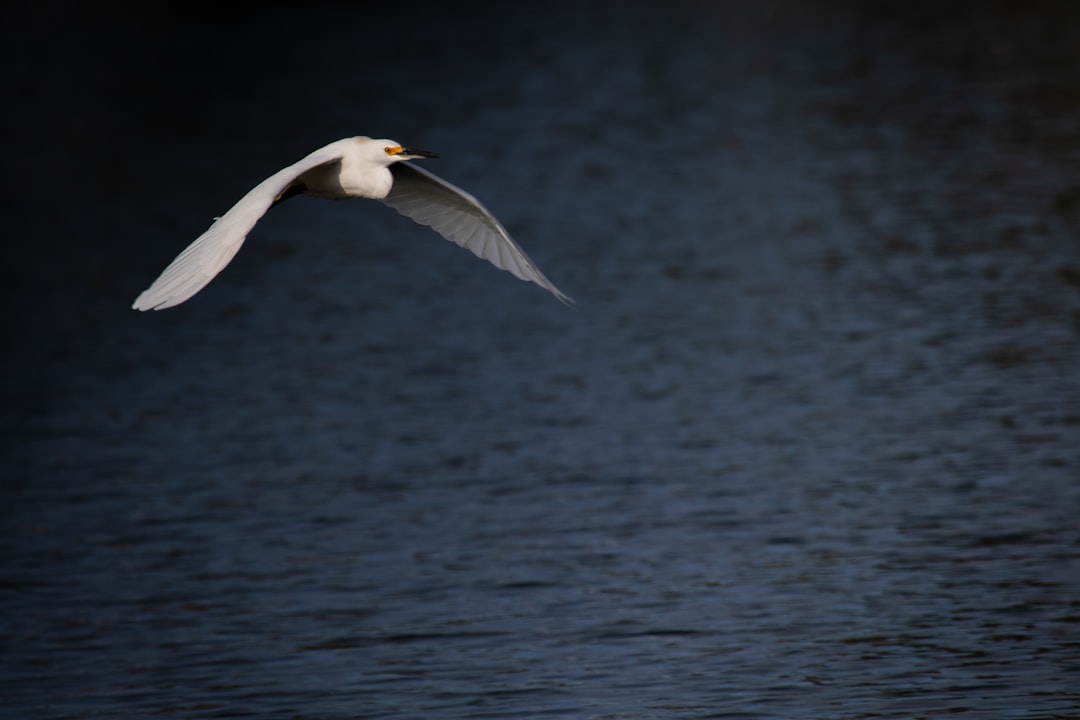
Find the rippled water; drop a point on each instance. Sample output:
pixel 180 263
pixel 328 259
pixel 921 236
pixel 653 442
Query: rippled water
pixel 807 447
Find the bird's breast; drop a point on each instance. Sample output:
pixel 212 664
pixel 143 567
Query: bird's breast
pixel 345 180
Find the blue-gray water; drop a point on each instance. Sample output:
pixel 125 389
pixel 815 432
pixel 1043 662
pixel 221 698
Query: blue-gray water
pixel 808 447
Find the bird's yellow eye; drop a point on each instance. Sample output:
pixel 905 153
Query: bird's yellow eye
pixel 394 150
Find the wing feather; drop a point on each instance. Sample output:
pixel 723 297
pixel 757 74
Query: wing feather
pixel 459 217
pixel 203 259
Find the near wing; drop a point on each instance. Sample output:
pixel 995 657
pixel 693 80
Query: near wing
pixel 460 218
pixel 211 252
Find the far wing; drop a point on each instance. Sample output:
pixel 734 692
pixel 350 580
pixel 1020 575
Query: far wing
pixel 460 218
pixel 211 252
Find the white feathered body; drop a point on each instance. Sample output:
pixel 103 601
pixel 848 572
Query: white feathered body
pixel 356 167
pixel 354 176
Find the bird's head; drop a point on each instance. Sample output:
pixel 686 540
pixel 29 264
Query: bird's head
pixel 390 151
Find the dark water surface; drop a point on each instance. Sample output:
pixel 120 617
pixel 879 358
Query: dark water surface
pixel 809 446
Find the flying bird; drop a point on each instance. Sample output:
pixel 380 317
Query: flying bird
pixel 355 167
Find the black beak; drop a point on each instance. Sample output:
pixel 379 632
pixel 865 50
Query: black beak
pixel 419 153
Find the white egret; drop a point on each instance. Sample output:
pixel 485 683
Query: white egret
pixel 356 167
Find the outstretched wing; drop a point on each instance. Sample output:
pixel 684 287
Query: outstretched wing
pixel 211 252
pixel 460 218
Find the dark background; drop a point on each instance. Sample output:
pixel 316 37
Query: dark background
pixel 806 447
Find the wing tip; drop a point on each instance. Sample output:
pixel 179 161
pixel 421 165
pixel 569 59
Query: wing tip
pixel 142 304
pixel 563 297
pixel 543 282
pixel 146 301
